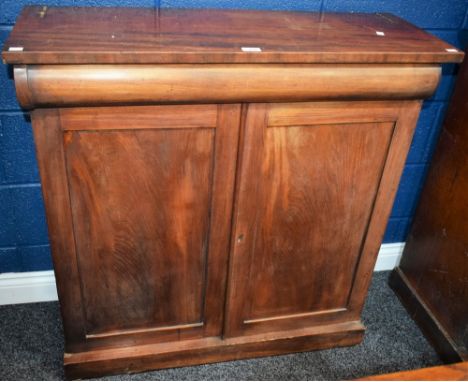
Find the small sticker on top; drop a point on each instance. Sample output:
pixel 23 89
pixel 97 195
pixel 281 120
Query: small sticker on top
pixel 380 33
pixel 15 49
pixel 451 50
pixel 251 49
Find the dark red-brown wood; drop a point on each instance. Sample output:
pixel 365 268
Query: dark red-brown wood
pixel 143 205
pixel 211 349
pixel 311 185
pixel 99 85
pixel 453 372
pixel 432 279
pixel 49 35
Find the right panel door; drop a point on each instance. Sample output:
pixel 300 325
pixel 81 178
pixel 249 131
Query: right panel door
pixel 315 188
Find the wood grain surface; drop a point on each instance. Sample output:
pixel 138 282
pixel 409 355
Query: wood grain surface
pixel 139 261
pixel 453 372
pixel 97 85
pixel 48 138
pixel 148 202
pixel 307 196
pixel 434 264
pixel 49 35
pixel 207 350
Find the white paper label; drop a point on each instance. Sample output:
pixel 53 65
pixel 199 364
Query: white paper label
pixel 15 49
pixel 451 50
pixel 379 33
pixel 251 49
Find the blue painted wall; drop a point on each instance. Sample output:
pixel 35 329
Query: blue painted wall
pixel 23 233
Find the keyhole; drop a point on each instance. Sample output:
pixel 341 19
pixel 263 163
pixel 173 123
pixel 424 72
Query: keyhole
pixel 240 238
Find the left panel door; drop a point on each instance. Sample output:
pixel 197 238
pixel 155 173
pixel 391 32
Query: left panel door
pixel 138 204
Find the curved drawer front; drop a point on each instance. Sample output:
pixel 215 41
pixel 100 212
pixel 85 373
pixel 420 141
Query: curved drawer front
pixel 66 85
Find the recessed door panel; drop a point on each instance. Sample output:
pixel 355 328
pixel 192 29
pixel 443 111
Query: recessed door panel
pixel 140 205
pixel 319 184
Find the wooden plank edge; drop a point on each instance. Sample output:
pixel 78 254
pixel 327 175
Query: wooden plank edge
pixel 141 358
pixel 453 372
pixel 73 57
pixel 421 314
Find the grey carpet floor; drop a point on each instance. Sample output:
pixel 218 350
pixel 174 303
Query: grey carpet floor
pixel 31 347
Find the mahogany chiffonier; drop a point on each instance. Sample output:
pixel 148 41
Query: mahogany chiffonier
pixel 217 183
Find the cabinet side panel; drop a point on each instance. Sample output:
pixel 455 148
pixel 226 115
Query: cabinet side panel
pixel 140 201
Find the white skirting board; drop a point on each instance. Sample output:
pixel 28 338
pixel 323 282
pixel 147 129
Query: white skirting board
pixel 389 256
pixel 27 287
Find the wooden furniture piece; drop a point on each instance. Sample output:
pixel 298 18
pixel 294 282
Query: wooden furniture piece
pixel 432 278
pixel 453 372
pixel 217 183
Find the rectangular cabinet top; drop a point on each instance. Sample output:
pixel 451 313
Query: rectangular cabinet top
pixel 66 35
